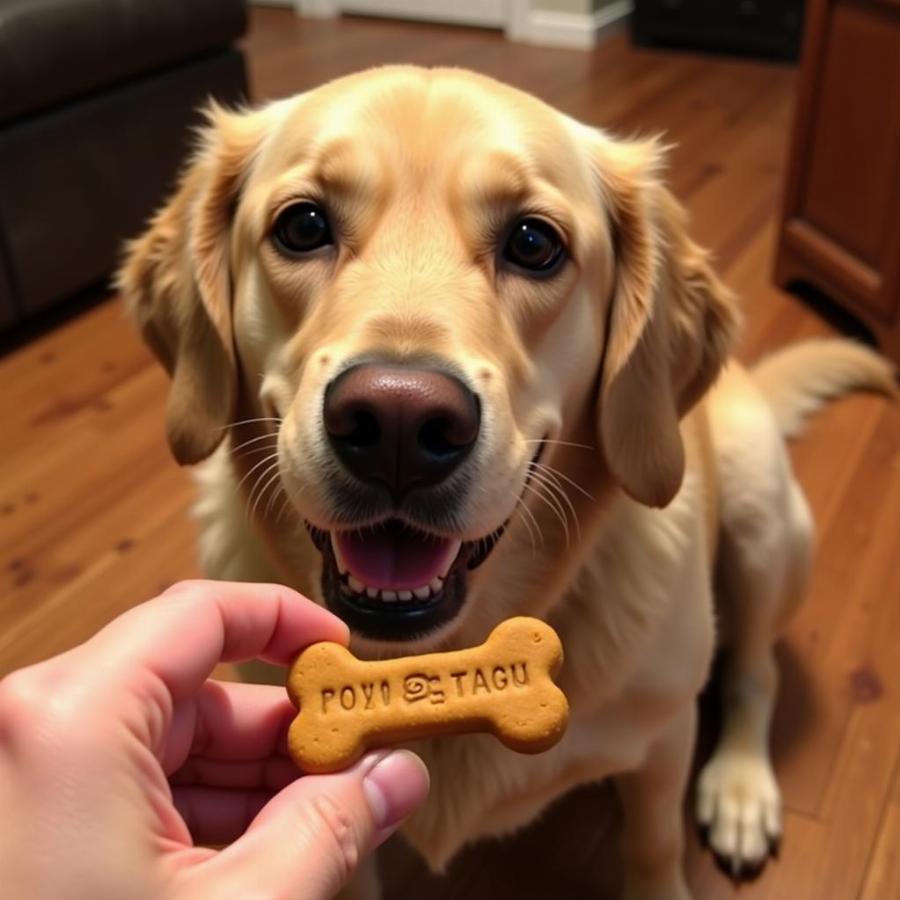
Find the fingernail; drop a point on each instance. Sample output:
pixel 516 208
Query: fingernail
pixel 395 786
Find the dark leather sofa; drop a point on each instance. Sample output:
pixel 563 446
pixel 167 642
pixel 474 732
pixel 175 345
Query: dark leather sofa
pixel 97 98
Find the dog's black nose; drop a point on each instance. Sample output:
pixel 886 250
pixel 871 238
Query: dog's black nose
pixel 399 426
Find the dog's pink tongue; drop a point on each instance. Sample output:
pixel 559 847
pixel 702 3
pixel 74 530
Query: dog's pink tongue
pixel 394 557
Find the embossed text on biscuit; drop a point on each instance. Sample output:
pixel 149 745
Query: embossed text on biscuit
pixel 505 686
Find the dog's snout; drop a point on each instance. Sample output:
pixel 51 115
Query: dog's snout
pixel 399 426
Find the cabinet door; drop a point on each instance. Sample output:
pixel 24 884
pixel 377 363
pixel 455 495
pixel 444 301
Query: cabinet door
pixel 848 200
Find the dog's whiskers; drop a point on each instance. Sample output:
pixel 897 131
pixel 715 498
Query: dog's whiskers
pixel 240 422
pixel 285 503
pixel 554 505
pixel 548 477
pixel 269 435
pixel 259 494
pixel 253 450
pixel 555 489
pixel 274 495
pixel 559 443
pixel 521 507
pixel 256 466
pixel 555 472
pixel 257 481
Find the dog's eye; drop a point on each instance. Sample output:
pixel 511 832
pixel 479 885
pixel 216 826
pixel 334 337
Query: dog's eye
pixel 301 228
pixel 534 245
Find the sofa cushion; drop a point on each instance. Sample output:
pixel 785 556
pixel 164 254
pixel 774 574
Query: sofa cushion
pixel 77 181
pixel 51 50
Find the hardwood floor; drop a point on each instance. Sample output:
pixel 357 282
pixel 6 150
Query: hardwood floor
pixel 94 516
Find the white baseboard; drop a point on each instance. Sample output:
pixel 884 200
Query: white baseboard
pixel 317 9
pixel 481 13
pixel 579 31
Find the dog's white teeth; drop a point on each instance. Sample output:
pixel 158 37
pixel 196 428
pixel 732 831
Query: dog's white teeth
pixel 453 552
pixel 436 583
pixel 353 586
pixel 342 567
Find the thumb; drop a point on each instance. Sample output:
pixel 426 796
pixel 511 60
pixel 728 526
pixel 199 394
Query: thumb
pixel 307 841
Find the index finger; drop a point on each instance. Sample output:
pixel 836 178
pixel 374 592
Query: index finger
pixel 181 635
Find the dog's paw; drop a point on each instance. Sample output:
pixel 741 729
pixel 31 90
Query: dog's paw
pixel 739 810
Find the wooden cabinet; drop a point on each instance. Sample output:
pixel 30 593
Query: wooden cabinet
pixel 841 226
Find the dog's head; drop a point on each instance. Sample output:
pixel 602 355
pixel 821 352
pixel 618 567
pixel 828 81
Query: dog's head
pixel 424 283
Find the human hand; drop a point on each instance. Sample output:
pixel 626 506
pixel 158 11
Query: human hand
pixel 119 757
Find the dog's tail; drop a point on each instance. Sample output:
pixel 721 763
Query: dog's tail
pixel 799 379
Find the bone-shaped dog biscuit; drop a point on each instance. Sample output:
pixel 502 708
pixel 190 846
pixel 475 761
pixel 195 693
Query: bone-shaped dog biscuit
pixel 505 686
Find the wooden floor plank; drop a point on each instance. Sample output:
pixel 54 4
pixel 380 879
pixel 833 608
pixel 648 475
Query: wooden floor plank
pixel 109 583
pixel 841 505
pixel 883 879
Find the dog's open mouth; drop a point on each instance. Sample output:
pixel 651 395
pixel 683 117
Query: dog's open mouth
pixel 394 582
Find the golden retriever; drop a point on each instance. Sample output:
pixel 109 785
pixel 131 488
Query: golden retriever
pixel 450 356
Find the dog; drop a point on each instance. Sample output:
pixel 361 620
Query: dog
pixel 448 355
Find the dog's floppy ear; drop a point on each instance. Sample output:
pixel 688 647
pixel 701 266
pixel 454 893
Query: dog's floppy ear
pixel 670 325
pixel 176 283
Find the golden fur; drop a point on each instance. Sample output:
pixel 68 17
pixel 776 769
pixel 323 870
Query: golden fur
pixel 610 358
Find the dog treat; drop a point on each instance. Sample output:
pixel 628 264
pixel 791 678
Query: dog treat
pixel 505 686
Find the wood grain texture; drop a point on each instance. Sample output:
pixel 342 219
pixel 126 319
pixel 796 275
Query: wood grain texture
pixel 94 516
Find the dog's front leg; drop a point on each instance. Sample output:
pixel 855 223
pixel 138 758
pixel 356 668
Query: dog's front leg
pixel 653 830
